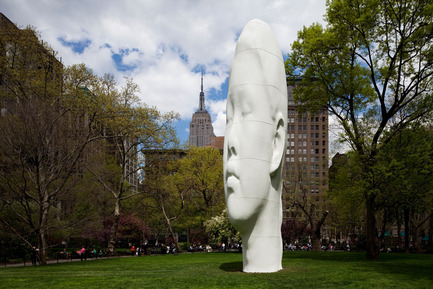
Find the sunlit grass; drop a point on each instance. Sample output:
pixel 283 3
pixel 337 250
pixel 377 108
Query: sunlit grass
pixel 223 270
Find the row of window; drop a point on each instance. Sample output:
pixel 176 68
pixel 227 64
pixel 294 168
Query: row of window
pixel 303 118
pixel 291 127
pixel 303 143
pixel 291 159
pixel 304 175
pixel 304 151
pixel 306 183
pixel 304 167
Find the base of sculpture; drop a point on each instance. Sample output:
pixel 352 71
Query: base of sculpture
pixel 261 254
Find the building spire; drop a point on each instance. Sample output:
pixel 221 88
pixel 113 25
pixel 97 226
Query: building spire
pixel 201 104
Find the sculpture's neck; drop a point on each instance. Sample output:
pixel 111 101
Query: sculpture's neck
pixel 263 247
pixel 262 254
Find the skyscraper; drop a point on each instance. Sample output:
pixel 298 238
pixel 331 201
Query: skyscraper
pixel 306 165
pixel 200 128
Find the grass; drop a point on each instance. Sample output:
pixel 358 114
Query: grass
pixel 223 270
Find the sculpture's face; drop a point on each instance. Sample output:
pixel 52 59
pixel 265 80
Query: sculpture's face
pixel 247 153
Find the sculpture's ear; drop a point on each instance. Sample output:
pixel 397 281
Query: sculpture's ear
pixel 278 143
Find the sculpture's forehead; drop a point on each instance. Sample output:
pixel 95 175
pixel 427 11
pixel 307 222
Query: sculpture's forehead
pixel 248 96
pixel 256 101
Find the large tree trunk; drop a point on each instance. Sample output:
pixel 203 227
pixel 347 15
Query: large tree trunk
pixel 42 234
pixel 113 232
pixel 42 244
pixel 399 238
pixel 176 243
pixel 373 250
pixel 167 219
pixel 430 233
pixel 315 241
pixel 406 231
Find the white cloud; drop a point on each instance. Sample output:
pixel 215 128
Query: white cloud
pixel 166 40
pixel 218 108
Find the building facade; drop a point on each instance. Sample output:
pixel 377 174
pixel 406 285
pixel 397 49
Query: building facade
pixel 201 132
pixel 306 165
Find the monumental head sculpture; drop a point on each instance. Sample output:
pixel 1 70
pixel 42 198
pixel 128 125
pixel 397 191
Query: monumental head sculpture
pixel 254 146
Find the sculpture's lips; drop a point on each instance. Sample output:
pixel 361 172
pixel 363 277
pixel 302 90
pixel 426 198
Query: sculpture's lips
pixel 232 182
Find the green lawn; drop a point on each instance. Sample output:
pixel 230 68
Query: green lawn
pixel 223 270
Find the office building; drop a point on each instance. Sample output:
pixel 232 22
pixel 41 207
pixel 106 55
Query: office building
pixel 306 164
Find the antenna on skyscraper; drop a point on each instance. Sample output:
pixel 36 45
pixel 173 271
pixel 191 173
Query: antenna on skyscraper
pixel 201 104
pixel 202 80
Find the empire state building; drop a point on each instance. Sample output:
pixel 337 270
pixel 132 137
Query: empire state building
pixel 200 128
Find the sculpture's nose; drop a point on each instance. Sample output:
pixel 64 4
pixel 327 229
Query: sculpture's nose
pixel 232 142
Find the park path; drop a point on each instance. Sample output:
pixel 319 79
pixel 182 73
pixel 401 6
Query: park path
pixel 55 261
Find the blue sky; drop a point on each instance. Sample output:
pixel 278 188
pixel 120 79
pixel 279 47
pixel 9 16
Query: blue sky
pixel 163 45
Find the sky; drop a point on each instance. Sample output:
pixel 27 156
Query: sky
pixel 163 45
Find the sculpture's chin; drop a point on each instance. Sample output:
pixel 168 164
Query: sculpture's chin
pixel 241 213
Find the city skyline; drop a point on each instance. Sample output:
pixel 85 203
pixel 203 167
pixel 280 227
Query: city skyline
pixel 163 45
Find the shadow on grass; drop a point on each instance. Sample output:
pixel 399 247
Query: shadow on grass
pixel 232 266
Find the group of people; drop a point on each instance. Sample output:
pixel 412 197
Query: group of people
pixel 297 247
pixel 84 254
pixel 138 251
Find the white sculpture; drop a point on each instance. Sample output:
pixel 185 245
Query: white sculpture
pixel 254 146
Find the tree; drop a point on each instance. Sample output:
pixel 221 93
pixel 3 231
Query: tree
pixel 409 163
pixel 220 229
pixel 130 128
pixel 199 178
pixel 346 199
pixel 43 136
pixel 299 192
pixel 372 66
pixel 160 187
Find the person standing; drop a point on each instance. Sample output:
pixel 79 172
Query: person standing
pixel 83 253
pixel 132 250
pixel 33 255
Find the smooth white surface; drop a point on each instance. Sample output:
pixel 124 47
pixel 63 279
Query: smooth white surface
pixel 254 146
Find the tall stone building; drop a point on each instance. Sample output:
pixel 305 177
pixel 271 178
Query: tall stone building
pixel 306 165
pixel 200 128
